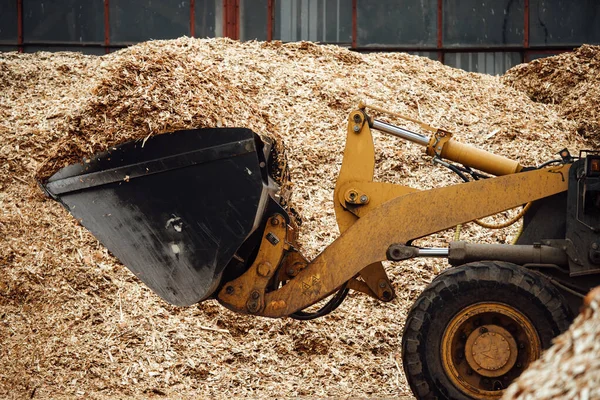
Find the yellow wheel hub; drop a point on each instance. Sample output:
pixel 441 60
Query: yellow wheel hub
pixel 486 346
pixel 491 351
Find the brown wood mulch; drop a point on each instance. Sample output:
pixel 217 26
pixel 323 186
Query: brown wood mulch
pixel 570 81
pixel 75 323
pixel 570 369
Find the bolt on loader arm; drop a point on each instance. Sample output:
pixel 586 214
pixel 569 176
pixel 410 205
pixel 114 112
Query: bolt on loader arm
pixel 374 216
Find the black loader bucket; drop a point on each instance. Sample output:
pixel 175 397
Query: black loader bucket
pixel 177 208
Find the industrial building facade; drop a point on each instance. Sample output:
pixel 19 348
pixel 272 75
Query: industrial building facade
pixel 476 35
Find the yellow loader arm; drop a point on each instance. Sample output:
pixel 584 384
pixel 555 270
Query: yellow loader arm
pixel 237 240
pixel 377 219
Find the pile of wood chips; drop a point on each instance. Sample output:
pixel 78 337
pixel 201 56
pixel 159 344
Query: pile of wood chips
pixel 571 81
pixel 570 369
pixel 75 322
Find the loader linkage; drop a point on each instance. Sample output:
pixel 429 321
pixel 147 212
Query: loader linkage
pixel 200 214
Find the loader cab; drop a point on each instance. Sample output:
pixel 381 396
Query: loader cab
pixel 591 188
pixel 583 215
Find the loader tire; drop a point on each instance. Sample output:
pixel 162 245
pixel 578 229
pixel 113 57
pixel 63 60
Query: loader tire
pixel 476 327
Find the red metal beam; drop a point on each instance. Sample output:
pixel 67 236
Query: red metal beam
pixel 106 26
pixel 526 30
pixel 192 18
pixel 231 19
pixel 354 23
pixel 20 25
pixel 236 14
pixel 526 25
pixel 225 6
pixel 440 32
pixel 270 16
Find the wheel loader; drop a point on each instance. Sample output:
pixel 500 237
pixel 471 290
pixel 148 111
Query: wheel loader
pixel 205 213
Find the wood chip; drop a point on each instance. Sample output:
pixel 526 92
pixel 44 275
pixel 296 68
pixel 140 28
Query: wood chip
pixel 73 319
pixel 571 81
pixel 570 369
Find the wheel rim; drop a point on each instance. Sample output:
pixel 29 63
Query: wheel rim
pixel 486 346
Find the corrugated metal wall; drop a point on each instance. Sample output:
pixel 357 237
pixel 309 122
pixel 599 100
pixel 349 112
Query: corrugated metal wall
pixel 493 63
pixel 487 36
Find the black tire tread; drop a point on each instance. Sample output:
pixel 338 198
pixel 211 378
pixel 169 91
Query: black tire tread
pixel 468 277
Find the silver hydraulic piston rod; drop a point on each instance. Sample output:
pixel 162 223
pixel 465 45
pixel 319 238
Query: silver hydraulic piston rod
pixel 401 132
pixel 433 252
pixel 443 145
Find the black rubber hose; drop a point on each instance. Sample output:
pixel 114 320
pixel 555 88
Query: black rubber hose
pixel 331 305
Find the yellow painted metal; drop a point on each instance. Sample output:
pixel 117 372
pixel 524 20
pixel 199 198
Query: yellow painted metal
pixel 391 214
pixel 408 217
pixel 351 201
pixel 396 214
pixel 292 263
pixel 490 350
pixel 443 145
pixel 360 286
pixel 246 293
pixel 358 164
pixel 378 282
pixel 377 193
pixel 479 159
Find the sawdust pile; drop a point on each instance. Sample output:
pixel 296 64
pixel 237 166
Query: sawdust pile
pixel 75 322
pixel 570 369
pixel 571 81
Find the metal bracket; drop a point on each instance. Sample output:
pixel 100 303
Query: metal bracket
pixel 246 293
pixel 437 142
pixel 358 118
pixel 378 283
pixel 576 264
pixel 356 197
pixel 399 252
pixel 291 265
